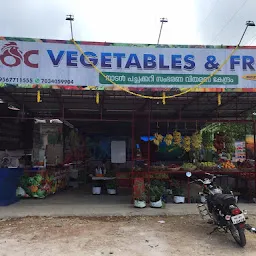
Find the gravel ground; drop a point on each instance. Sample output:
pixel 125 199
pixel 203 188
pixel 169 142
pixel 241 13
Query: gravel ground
pixel 136 236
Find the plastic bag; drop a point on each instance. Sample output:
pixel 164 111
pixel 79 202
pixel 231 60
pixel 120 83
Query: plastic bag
pixel 20 192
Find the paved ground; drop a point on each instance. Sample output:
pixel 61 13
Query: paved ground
pixel 37 208
pixel 136 236
pixel 77 204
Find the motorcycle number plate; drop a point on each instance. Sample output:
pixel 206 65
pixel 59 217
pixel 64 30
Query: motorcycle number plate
pixel 238 218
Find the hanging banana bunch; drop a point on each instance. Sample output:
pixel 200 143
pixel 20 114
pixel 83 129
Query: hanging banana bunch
pixel 158 139
pixel 177 138
pixel 186 143
pixel 196 140
pixel 168 139
pixel 156 142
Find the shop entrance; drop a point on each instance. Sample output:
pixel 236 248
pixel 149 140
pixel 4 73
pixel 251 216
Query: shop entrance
pixel 66 144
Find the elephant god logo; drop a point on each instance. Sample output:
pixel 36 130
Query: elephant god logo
pixel 11 56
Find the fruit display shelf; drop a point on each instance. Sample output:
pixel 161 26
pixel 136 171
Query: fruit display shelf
pixel 42 183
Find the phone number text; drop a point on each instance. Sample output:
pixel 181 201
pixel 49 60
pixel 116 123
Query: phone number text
pixel 35 81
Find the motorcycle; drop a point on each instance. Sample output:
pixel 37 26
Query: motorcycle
pixel 222 209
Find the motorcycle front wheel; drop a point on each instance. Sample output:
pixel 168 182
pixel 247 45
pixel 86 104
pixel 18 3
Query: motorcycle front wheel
pixel 238 234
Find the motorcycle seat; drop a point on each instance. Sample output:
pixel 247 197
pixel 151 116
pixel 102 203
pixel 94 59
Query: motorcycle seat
pixel 224 199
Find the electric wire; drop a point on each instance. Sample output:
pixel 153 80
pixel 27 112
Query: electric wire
pixel 208 15
pixel 251 41
pixel 228 22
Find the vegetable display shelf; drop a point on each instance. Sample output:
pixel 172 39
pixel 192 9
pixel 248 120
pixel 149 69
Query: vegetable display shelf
pixel 42 183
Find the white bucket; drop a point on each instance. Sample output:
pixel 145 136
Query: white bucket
pixel 139 204
pixel 157 204
pixel 179 199
pixel 111 191
pixel 96 190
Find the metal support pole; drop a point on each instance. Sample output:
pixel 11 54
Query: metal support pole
pixel 149 120
pixel 248 24
pixel 243 35
pixel 162 20
pixel 188 180
pixel 71 28
pixel 63 112
pixel 236 109
pixel 245 132
pixel 133 138
pixel 254 136
pixel 133 154
pixel 160 32
pixel 70 18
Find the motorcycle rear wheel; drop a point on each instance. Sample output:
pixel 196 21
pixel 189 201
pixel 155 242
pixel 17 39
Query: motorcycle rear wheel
pixel 238 234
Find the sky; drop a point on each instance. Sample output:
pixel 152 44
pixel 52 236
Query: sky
pixel 133 21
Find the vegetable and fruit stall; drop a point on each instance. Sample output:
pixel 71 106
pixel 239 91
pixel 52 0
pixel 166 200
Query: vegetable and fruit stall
pixel 39 184
pixel 208 150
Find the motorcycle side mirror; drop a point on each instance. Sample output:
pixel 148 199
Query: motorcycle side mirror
pixel 188 174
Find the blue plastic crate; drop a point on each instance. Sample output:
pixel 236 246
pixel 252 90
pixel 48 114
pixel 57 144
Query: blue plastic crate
pixel 9 181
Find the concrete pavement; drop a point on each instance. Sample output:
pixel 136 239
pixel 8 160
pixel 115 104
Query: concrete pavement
pixel 41 208
pixel 78 203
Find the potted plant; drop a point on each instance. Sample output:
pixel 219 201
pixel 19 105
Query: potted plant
pixel 96 189
pixel 156 192
pixel 139 193
pixel 178 195
pixel 140 200
pixel 111 188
